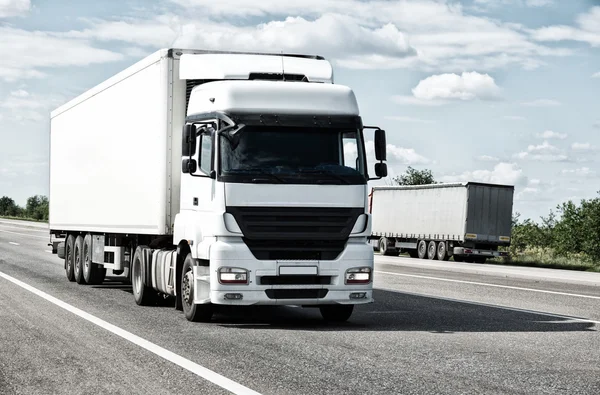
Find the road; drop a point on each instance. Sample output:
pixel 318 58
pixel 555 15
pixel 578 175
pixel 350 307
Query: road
pixel 435 328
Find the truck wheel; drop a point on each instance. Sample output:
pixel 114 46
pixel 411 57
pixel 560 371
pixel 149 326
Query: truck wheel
pixel 442 254
pixel 432 250
pixel 336 312
pixel 193 312
pixel 70 258
pixel 78 254
pixel 90 270
pixel 384 248
pixel 144 295
pixel 422 249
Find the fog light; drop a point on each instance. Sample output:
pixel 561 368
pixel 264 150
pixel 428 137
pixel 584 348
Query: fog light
pixel 233 275
pixel 358 295
pixel 358 275
pixel 233 296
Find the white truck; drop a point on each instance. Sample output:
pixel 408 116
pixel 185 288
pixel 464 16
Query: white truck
pixel 468 221
pixel 217 178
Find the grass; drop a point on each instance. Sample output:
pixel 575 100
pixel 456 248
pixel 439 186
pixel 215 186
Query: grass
pixel 547 259
pixel 23 219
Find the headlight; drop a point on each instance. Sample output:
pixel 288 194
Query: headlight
pixel 358 275
pixel 233 275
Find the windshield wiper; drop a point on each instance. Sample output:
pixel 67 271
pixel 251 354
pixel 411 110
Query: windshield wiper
pixel 325 172
pixel 266 173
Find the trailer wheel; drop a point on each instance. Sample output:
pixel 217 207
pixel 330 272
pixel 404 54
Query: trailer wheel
pixel 442 253
pixel 78 254
pixel 92 273
pixel 70 258
pixel 144 295
pixel 193 312
pixel 384 249
pixel 432 250
pixel 422 249
pixel 336 312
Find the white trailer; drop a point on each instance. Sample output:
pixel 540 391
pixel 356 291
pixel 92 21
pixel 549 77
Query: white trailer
pixel 217 178
pixel 468 221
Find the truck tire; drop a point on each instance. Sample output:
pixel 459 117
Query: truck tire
pixel 143 295
pixel 442 253
pixel 336 312
pixel 78 256
pixel 422 249
pixel 384 248
pixel 70 257
pixel 92 273
pixel 193 312
pixel 432 250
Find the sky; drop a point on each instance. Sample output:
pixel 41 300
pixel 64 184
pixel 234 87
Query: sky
pixel 501 91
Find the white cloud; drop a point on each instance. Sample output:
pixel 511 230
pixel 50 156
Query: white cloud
pixel 587 30
pixel 596 75
pixel 397 155
pixel 408 119
pixel 583 147
pixel 549 134
pixel 514 118
pixel 467 86
pixel 582 172
pixel 544 152
pixel 542 103
pixel 10 8
pixel 503 173
pixel 23 106
pixel 413 101
pixel 428 35
pixel 25 54
pixel 488 158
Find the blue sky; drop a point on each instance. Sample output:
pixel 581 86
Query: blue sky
pixel 504 91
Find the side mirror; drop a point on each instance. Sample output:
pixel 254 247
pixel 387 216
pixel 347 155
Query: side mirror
pixel 380 145
pixel 188 141
pixel 189 166
pixel 381 170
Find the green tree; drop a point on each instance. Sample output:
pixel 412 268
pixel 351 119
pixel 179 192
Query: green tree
pixel 8 207
pixel 37 207
pixel 415 177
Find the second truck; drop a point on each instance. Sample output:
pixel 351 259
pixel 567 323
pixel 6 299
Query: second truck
pixel 217 178
pixel 468 221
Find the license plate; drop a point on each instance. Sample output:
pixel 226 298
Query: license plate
pixel 298 270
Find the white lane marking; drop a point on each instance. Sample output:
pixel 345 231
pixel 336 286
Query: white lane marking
pixel 13 243
pixel 25 234
pixel 24 228
pixel 491 285
pixel 193 367
pixel 497 306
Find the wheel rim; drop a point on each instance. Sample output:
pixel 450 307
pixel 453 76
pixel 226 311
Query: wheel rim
pixel 77 261
pixel 432 250
pixel 422 248
pixel 442 250
pixel 137 276
pixel 69 258
pixel 86 260
pixel 187 287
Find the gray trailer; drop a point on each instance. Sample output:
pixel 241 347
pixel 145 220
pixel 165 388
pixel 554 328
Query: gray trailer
pixel 467 221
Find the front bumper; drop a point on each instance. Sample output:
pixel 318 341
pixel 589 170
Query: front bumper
pixel 233 252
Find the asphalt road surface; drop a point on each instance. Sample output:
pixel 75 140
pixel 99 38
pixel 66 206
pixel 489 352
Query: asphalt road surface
pixel 435 328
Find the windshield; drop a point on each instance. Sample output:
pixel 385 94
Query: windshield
pixel 293 155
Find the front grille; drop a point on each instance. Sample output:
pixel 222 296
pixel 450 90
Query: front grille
pixel 295 280
pixel 296 293
pixel 302 233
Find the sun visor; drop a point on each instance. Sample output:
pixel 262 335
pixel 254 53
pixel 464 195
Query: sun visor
pixel 241 66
